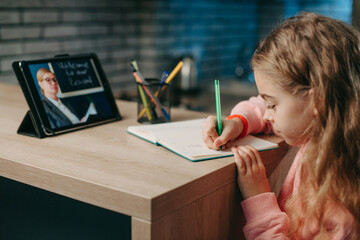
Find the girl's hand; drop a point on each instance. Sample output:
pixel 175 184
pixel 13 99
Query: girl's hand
pixel 231 130
pixel 251 171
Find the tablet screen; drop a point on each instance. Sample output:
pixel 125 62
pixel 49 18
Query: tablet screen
pixel 71 91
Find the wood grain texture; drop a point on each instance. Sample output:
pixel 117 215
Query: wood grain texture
pixel 213 216
pixel 209 217
pixel 140 229
pixel 110 168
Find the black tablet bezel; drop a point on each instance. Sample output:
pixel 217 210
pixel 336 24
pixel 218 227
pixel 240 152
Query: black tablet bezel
pixel 34 101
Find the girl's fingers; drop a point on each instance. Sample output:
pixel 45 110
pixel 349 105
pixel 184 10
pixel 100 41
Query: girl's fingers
pixel 239 161
pixel 257 156
pixel 209 137
pixel 251 153
pixel 213 135
pixel 224 138
pixel 245 156
pixel 223 146
pixel 219 142
pixel 209 142
pixel 252 182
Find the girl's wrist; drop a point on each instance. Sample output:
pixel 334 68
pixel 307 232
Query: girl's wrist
pixel 242 120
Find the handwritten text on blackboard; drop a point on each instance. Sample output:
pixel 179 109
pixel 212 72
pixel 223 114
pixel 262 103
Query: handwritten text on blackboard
pixel 77 72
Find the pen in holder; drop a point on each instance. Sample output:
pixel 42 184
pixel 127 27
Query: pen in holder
pixel 153 101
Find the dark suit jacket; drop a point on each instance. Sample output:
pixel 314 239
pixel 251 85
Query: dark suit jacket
pixel 56 117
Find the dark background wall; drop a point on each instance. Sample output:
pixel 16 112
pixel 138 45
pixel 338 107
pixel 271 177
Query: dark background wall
pixel 219 35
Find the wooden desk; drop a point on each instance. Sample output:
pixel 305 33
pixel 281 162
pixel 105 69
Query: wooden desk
pixel 167 196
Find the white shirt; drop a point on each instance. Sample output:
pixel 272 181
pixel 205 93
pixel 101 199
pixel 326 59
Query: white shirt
pixel 73 119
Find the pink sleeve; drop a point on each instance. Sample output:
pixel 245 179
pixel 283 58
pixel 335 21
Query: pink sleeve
pixel 253 111
pixel 264 219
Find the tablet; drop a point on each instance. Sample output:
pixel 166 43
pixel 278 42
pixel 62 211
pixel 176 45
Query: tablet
pixel 64 93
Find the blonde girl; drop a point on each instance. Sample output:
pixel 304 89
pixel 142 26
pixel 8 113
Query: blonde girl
pixel 307 72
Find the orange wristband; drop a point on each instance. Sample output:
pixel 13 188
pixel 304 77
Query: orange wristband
pixel 244 122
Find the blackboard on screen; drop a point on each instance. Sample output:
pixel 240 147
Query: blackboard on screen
pixel 75 75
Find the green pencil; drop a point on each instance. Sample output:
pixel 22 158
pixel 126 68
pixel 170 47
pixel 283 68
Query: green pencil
pixel 218 107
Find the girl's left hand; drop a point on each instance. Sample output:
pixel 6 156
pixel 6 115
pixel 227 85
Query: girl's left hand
pixel 251 178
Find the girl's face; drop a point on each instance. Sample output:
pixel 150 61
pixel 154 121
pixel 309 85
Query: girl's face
pixel 289 115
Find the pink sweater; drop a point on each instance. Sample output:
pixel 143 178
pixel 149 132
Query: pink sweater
pixel 265 215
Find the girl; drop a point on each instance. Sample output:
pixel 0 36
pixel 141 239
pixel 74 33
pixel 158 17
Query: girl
pixel 307 72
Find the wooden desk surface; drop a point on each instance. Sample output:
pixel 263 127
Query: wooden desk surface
pixel 108 167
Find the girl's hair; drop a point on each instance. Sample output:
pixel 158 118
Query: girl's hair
pixel 315 52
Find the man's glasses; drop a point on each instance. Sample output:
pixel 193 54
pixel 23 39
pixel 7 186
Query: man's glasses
pixel 48 80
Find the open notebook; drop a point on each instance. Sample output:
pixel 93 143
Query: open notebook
pixel 184 138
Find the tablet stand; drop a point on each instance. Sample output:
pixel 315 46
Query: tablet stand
pixel 29 127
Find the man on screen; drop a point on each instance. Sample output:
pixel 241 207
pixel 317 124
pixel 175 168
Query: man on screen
pixel 58 114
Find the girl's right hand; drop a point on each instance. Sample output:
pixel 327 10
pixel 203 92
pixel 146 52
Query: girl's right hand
pixel 231 131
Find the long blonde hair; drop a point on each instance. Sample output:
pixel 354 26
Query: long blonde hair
pixel 310 51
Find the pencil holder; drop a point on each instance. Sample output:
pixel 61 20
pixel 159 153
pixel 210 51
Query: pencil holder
pixel 153 101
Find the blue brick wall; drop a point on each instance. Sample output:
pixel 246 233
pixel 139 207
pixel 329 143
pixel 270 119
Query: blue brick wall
pixel 220 35
pixel 215 33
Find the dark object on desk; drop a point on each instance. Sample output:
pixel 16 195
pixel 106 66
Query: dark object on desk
pixel 64 94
